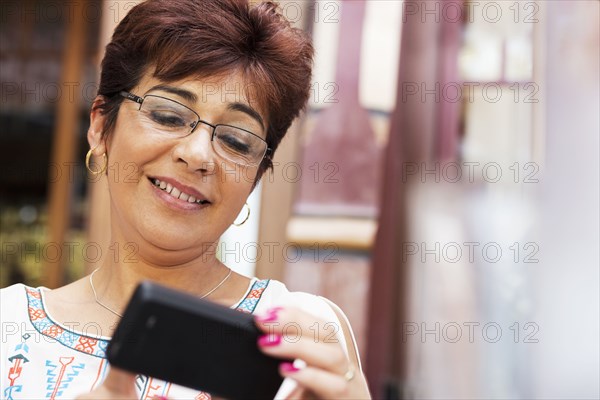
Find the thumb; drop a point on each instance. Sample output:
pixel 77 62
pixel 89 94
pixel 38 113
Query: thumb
pixel 120 381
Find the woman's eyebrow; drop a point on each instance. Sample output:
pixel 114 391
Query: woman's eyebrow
pixel 248 110
pixel 184 94
pixel 192 98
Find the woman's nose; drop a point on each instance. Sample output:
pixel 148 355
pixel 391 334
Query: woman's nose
pixel 196 150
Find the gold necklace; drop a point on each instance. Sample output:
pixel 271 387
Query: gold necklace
pixel 121 315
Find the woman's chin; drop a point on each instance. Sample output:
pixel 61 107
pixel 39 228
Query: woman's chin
pixel 166 250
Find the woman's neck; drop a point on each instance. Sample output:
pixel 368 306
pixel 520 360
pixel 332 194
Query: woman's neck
pixel 117 278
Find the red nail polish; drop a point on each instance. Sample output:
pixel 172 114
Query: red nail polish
pixel 269 340
pixel 288 367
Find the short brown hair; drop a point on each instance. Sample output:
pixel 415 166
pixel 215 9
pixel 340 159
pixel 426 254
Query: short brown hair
pixel 206 38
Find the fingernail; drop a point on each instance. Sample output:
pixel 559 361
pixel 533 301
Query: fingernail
pixel 288 367
pixel 271 315
pixel 266 318
pixel 269 340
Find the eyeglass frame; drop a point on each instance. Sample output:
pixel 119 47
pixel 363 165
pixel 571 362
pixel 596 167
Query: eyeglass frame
pixel 140 100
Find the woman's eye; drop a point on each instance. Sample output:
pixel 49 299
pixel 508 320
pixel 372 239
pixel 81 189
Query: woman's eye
pixel 167 119
pixel 235 144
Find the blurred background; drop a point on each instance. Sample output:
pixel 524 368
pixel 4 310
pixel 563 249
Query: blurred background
pixel 442 186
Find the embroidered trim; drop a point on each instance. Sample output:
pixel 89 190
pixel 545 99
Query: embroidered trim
pixel 59 375
pixel 96 346
pixel 249 303
pixel 18 361
pixel 46 326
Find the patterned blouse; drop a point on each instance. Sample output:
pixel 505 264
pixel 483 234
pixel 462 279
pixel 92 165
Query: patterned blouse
pixel 43 359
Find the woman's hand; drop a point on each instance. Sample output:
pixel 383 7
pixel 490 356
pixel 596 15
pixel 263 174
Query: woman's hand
pixel 294 334
pixel 118 384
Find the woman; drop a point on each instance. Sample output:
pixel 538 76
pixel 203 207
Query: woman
pixel 190 91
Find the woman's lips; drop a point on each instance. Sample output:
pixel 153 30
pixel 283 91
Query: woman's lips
pixel 178 192
pixel 178 196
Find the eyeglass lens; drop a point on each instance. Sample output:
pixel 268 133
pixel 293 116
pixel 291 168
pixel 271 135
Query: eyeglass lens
pixel 232 143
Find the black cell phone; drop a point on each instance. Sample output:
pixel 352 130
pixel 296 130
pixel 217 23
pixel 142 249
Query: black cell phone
pixel 192 342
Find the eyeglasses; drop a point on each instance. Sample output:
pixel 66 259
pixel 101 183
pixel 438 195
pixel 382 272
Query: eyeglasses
pixel 172 118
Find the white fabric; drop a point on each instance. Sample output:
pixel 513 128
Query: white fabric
pixel 34 365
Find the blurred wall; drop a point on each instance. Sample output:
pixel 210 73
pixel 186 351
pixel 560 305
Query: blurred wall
pixel 567 285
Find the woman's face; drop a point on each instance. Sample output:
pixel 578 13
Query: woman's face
pixel 176 226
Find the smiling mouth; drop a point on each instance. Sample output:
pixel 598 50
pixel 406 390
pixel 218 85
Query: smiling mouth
pixel 176 193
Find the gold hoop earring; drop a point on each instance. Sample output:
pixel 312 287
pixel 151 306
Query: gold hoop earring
pixel 245 219
pixel 88 157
